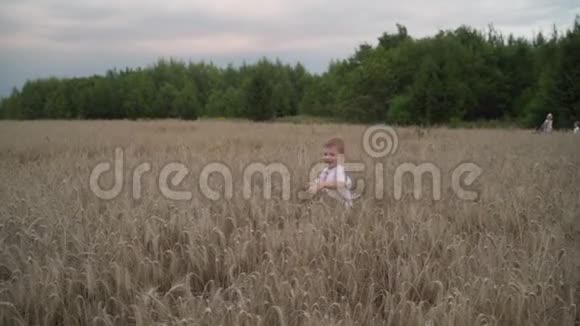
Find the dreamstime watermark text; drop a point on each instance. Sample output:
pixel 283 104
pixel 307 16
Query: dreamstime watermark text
pixel 378 142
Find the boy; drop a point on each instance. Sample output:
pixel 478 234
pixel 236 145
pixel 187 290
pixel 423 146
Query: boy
pixel 333 180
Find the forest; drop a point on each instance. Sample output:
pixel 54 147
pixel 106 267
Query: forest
pixel 455 76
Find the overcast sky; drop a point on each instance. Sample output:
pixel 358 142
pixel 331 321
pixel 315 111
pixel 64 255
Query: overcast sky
pixel 44 38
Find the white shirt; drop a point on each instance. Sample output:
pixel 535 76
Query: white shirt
pixel 548 126
pixel 577 130
pixel 337 174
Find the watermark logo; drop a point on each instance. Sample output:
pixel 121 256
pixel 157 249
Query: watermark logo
pixel 378 142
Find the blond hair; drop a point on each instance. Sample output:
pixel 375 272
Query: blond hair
pixel 337 143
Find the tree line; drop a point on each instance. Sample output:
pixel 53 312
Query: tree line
pixel 452 77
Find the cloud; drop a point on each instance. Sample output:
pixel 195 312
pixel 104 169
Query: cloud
pixel 94 34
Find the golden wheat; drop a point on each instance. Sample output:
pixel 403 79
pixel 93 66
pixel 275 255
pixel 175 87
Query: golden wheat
pixel 68 258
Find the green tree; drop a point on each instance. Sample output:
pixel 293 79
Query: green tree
pixel 258 96
pixel 186 104
pixel 401 111
pixel 163 103
pixel 455 75
pixel 566 90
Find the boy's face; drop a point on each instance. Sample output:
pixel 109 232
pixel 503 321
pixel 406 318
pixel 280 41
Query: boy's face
pixel 330 155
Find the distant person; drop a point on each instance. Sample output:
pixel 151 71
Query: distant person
pixel 547 125
pixel 577 128
pixel 333 180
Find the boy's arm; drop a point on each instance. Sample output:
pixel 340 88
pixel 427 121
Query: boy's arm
pixel 340 181
pixel 314 186
pixel 331 185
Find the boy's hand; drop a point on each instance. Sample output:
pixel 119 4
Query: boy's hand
pixel 313 188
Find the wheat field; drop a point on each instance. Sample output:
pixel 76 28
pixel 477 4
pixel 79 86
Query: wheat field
pixel 67 257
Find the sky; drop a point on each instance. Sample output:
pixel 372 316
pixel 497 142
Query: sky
pixel 63 38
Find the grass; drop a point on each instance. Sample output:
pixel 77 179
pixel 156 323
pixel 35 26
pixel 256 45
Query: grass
pixel 69 258
pixel 306 119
